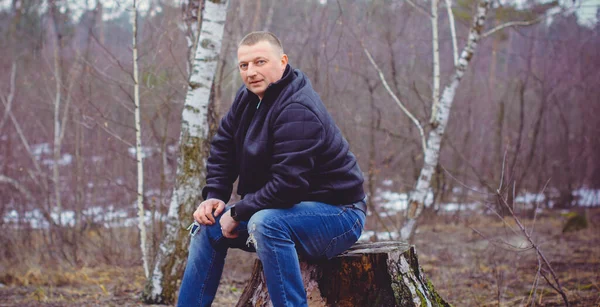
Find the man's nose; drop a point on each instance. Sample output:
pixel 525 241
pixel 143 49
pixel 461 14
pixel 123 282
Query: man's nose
pixel 251 72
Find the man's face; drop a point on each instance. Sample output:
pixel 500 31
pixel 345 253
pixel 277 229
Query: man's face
pixel 260 65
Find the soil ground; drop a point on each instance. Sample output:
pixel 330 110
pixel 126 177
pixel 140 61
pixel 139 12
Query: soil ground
pixel 475 260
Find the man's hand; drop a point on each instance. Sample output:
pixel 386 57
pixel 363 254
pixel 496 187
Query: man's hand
pixel 204 212
pixel 228 225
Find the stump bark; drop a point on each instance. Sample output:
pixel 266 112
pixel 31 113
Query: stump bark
pixel 368 274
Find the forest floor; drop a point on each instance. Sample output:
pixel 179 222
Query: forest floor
pixel 466 268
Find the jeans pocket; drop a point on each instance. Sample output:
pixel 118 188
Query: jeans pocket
pixel 194 228
pixel 344 241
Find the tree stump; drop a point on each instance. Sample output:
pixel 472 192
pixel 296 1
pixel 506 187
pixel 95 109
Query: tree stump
pixel 368 274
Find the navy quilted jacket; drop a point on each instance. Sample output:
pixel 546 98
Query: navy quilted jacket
pixel 285 150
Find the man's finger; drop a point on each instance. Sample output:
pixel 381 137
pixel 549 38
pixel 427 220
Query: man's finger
pixel 211 218
pixel 197 216
pixel 220 208
pixel 208 214
pixel 204 220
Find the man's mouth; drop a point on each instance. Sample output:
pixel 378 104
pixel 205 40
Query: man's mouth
pixel 255 82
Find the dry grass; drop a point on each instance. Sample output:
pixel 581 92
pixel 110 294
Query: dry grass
pixel 469 270
pixel 466 269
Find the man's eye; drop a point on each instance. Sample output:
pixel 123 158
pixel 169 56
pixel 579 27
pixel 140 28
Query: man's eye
pixel 243 66
pixel 260 62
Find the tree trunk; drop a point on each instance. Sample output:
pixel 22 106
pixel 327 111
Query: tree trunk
pixel 436 59
pixel 434 139
pixel 58 81
pixel 162 286
pixel 368 274
pixel 138 145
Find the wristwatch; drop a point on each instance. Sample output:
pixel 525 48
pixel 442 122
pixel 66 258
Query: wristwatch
pixel 233 214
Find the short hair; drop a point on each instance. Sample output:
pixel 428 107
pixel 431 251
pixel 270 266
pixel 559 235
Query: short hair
pixel 255 37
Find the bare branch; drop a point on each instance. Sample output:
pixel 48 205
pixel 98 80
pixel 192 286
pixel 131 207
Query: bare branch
pixel 419 8
pixel 11 94
pixel 396 99
pixel 24 141
pixel 536 209
pixel 105 75
pixel 116 136
pixel 452 31
pixel 112 56
pixel 511 24
pixel 557 287
pixel 470 165
pixel 73 74
pixel 521 23
pixel 17 186
pixel 536 279
pixel 502 175
pixel 463 184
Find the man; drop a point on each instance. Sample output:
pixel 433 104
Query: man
pixel 301 186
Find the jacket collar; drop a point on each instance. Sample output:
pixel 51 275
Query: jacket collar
pixel 274 89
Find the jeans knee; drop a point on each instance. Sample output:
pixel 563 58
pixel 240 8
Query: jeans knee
pixel 262 226
pixel 212 233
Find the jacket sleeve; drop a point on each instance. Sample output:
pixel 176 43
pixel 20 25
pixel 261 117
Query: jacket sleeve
pixel 298 134
pixel 221 167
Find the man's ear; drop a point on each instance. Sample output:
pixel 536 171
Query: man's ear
pixel 284 60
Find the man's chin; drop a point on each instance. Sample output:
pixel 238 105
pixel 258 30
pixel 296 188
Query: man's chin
pixel 258 92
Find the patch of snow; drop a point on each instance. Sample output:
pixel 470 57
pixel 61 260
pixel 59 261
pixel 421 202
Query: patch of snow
pixel 42 148
pixel 11 217
pixel 583 196
pixel 65 218
pixel 453 207
pixel 147 151
pixel 394 202
pixel 530 198
pixel 457 190
pixel 587 197
pixel 381 236
pixel 65 159
pixel 387 182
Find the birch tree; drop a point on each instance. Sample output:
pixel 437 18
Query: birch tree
pixel 161 287
pixel 440 114
pixel 138 145
pixel 57 100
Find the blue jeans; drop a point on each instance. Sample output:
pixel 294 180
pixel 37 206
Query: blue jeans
pixel 311 230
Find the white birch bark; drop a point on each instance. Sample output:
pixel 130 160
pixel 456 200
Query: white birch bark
pixel 452 31
pixel 435 43
pixel 161 287
pixel 57 99
pixel 138 145
pixel 417 196
pixel 193 22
